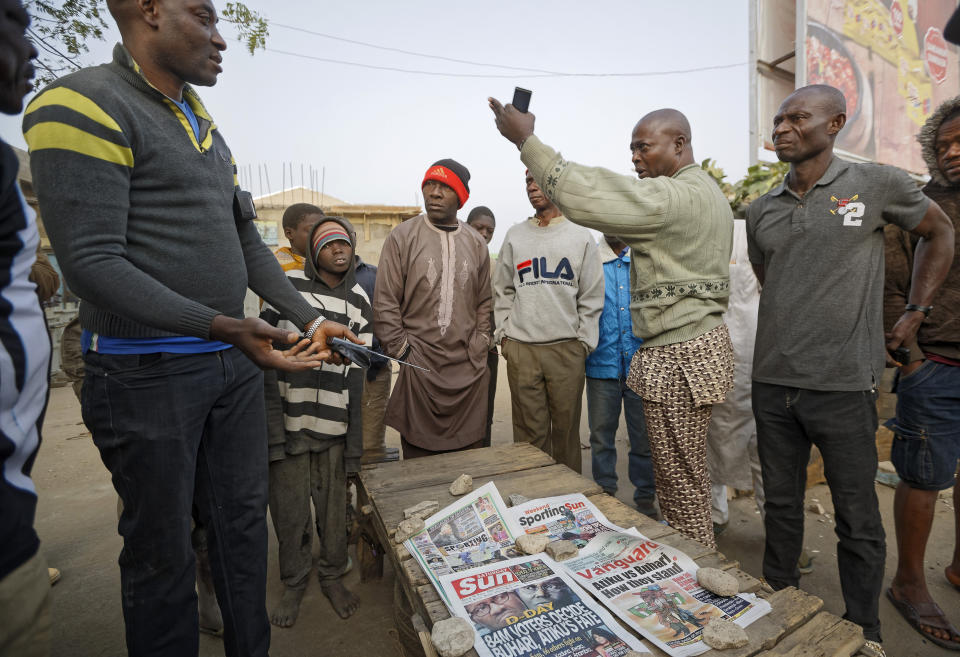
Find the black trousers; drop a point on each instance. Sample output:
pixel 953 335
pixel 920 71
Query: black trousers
pixel 174 431
pixel 843 426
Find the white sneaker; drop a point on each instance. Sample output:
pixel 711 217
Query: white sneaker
pixel 875 649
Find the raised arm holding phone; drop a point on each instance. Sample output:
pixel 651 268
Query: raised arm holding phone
pixel 685 364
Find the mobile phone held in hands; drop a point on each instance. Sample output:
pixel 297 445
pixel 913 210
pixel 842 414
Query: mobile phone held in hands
pixel 356 353
pixel 360 355
pixel 521 99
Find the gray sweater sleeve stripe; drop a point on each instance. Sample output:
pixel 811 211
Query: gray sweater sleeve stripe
pixel 34 123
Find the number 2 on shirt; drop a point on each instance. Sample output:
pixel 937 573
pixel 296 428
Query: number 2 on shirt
pixel 851 214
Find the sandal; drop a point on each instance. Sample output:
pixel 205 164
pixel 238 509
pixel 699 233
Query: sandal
pixel 930 615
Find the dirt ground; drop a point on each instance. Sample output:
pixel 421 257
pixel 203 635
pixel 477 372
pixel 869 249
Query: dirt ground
pixel 76 520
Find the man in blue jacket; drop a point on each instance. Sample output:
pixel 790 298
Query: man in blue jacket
pixel 607 391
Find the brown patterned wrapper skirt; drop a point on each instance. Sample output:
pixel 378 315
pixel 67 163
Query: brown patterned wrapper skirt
pixel 679 384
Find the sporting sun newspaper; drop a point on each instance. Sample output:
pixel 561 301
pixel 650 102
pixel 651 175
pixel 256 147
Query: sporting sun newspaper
pixel 565 517
pixel 527 607
pixel 653 588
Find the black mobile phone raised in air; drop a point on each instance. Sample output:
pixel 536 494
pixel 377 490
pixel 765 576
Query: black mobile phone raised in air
pixel 521 99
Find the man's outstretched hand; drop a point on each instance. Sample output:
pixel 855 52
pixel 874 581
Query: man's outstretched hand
pixel 513 124
pixel 321 338
pixel 255 338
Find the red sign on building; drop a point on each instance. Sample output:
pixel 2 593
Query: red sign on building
pixel 935 54
pixel 896 17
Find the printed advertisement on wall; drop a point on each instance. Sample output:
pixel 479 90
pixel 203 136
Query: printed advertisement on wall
pixel 893 65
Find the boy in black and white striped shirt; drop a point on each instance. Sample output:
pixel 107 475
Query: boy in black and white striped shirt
pixel 314 424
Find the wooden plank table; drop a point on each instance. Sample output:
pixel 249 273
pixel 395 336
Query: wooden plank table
pixel 796 625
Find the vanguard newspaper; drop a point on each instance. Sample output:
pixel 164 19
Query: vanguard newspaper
pixel 653 588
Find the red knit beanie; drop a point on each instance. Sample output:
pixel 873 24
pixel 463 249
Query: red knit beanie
pixel 452 174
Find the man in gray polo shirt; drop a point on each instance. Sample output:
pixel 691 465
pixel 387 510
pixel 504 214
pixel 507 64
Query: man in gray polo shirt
pixel 816 244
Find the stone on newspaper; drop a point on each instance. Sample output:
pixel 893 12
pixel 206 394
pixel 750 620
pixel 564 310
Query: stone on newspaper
pixel 423 510
pixel 723 634
pixel 408 528
pixel 532 543
pixel 718 581
pixel 516 498
pixel 461 485
pixel 452 637
pixel 562 550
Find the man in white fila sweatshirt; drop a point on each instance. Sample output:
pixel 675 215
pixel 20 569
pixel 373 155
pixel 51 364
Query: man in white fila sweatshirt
pixel 548 296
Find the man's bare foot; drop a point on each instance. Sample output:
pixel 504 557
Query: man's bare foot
pixel 210 620
pixel 953 576
pixel 344 602
pixel 286 612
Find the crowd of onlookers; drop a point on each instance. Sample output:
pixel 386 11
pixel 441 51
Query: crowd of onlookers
pixel 731 347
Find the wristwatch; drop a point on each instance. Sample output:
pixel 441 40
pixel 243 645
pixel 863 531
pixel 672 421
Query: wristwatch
pixel 911 307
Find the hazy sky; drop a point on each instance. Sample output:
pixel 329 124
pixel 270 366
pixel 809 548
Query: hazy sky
pixel 376 131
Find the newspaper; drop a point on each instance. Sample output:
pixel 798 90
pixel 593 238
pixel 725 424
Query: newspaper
pixel 476 530
pixel 654 589
pixel 528 607
pixel 565 517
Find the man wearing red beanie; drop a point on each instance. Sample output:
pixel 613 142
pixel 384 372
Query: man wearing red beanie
pixel 432 307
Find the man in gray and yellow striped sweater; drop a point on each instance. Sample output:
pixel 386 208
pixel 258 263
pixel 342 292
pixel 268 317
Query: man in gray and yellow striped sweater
pixel 138 190
pixel 680 230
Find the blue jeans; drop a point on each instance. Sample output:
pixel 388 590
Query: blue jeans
pixel 177 431
pixel 605 397
pixel 843 426
pixel 927 426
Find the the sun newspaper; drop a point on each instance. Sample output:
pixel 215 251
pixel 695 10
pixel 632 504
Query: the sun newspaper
pixel 476 530
pixel 527 607
pixel 654 589
pixel 565 517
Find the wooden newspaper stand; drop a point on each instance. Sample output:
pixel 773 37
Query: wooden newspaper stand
pixel 797 626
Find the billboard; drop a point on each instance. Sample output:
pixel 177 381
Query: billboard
pixel 889 58
pixel 892 63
